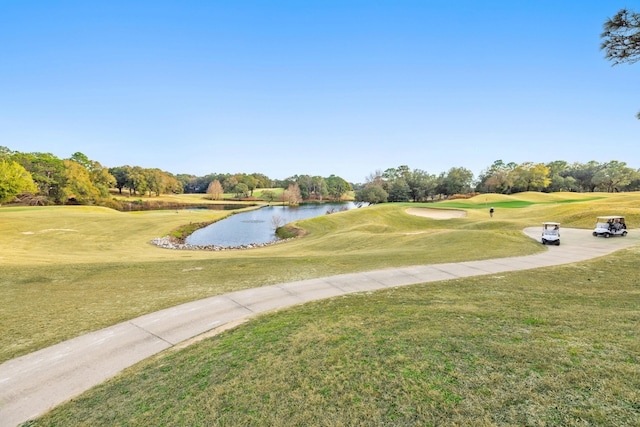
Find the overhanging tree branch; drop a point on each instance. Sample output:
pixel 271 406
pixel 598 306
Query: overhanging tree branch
pixel 622 37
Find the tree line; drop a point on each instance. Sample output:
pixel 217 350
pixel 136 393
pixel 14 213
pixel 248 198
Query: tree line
pixel 43 179
pixel 402 184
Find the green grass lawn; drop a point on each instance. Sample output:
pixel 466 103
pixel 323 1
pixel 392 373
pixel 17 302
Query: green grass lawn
pixel 555 346
pixel 66 271
pixel 424 354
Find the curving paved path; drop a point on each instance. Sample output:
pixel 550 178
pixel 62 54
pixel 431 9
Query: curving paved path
pixel 33 384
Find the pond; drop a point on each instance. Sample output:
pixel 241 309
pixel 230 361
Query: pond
pixel 258 226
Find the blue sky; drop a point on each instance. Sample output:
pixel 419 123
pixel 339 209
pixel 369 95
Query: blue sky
pixel 315 87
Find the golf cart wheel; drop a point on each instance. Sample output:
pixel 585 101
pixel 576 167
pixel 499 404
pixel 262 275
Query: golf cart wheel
pixel 544 242
pixel 595 234
pixel 558 243
pixel 607 235
pixel 624 233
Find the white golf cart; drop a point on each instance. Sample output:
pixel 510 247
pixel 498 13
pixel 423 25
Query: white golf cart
pixel 608 226
pixel 551 233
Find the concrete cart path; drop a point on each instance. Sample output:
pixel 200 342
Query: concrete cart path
pixel 33 384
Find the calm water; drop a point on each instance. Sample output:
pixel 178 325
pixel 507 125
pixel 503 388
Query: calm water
pixel 257 226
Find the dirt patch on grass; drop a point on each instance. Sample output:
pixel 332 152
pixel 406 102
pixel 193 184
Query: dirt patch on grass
pixel 437 213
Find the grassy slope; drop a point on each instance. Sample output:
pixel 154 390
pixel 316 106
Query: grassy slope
pixel 85 268
pixel 554 346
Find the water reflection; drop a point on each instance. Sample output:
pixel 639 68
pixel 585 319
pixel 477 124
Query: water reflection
pixel 258 226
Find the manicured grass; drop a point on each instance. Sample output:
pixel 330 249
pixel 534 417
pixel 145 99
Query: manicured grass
pixel 86 268
pixel 554 346
pixel 65 271
pixel 521 200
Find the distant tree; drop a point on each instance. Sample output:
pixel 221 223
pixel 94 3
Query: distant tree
pixel 200 184
pixel 121 175
pixel 634 185
pixel 78 185
pixel 305 183
pixel 337 187
pixel 292 194
pixel 498 178
pixel 137 182
pixel 160 182
pixel 229 184
pixel 375 178
pixel 415 181
pixel 268 195
pixel 319 187
pixel 187 182
pixel 392 174
pixel 562 183
pixel 262 180
pixel 399 191
pixel 456 181
pixel 421 184
pixel 558 171
pixel 250 182
pixel 172 184
pixel 215 190
pixel 14 180
pixel 47 172
pixel 613 176
pixel 584 173
pixel 81 159
pixel 99 175
pixel 621 38
pixel 241 190
pixel 531 177
pixel 155 181
pixel 101 178
pixel 372 193
pixel 431 186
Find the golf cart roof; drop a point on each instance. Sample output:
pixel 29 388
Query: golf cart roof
pixel 611 217
pixel 550 223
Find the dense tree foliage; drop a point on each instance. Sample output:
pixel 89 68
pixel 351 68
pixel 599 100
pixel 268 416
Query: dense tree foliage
pixel 372 193
pixel 399 184
pixel 77 184
pixel 558 176
pixel 456 181
pixel 200 184
pixel 144 181
pixel 337 187
pixel 621 38
pixel 14 180
pixel 47 171
pixel 311 187
pixel 42 178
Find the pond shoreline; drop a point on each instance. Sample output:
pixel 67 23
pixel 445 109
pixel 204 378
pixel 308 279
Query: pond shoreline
pixel 173 243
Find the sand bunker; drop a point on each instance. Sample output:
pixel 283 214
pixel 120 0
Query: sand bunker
pixel 437 213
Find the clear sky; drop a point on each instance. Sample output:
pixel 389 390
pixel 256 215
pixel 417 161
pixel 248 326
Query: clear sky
pixel 315 87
